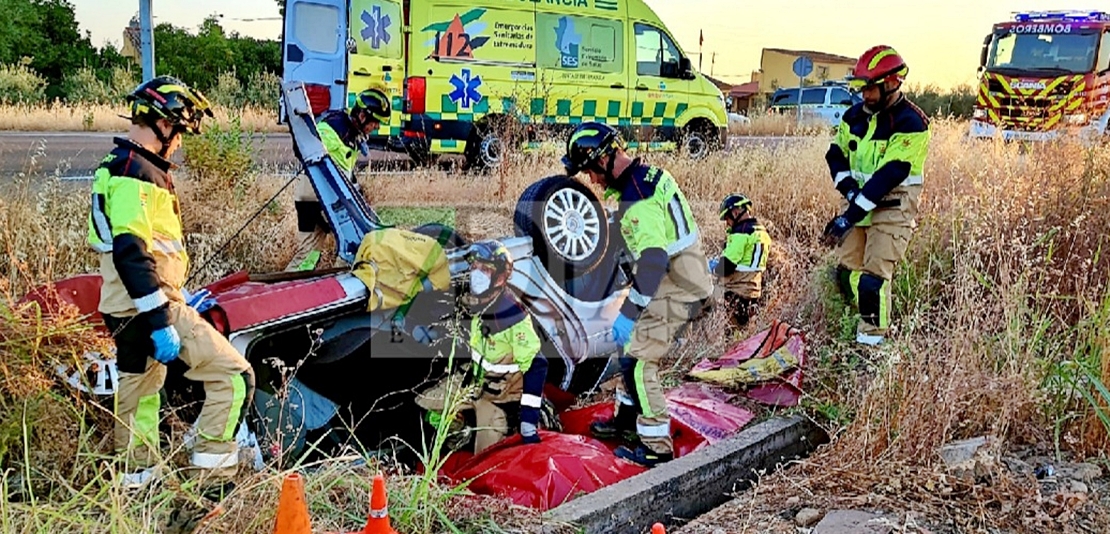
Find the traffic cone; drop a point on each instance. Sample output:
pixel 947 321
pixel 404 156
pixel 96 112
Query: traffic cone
pixel 292 513
pixel 378 522
pixel 658 529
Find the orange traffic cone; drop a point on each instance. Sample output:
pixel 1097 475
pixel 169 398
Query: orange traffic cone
pixel 292 513
pixel 378 522
pixel 658 529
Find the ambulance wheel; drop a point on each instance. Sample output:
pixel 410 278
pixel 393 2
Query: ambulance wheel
pixel 698 140
pixel 568 226
pixel 489 143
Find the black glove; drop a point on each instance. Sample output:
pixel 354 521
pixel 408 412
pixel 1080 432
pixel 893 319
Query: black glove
pixel 838 228
pixel 848 188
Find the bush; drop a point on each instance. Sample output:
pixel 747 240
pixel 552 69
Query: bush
pixel 958 102
pixel 227 91
pixel 85 87
pixel 263 90
pixel 19 84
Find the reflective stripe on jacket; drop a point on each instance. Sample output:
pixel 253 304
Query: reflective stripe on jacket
pixel 748 246
pixel 135 223
pixel 503 341
pixel 881 152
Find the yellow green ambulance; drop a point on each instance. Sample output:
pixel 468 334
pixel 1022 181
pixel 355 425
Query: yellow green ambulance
pixel 479 77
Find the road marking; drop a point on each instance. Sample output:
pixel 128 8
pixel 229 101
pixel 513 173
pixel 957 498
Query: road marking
pixel 88 178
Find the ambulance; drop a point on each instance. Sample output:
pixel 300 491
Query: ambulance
pixel 478 78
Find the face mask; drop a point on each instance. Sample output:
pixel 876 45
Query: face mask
pixel 479 282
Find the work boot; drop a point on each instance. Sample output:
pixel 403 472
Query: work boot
pixel 642 455
pixel 622 426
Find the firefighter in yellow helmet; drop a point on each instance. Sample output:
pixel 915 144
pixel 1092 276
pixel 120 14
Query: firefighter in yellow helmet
pixel 507 369
pixel 135 225
pixel 744 259
pixel 877 162
pixel 671 285
pixel 343 134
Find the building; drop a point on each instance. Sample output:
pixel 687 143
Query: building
pixel 741 96
pixel 776 68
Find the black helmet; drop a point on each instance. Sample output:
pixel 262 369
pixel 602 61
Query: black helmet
pixel 589 142
pixel 735 200
pixel 375 102
pixel 166 97
pixel 493 257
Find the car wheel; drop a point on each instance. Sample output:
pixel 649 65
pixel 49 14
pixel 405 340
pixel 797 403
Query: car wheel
pixel 697 143
pixel 567 224
pixel 489 143
pixel 448 238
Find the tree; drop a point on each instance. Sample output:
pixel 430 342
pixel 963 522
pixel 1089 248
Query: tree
pixel 47 32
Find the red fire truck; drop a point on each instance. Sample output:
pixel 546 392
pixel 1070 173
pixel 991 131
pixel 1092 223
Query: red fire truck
pixel 1044 74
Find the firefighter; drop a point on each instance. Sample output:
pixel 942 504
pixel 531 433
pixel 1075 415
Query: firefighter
pixel 507 371
pixel 671 285
pixel 877 162
pixel 740 267
pixel 344 136
pixel 135 225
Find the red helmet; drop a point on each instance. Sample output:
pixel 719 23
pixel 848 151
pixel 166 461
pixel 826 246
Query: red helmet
pixel 877 65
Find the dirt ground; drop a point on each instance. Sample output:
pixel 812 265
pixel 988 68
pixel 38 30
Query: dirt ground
pixel 1069 497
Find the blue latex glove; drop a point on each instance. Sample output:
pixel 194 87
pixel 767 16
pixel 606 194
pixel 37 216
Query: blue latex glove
pixel 713 264
pixel 202 300
pixel 622 329
pixel 167 344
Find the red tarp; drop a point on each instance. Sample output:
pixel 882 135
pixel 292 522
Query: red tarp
pixel 566 464
pixel 786 390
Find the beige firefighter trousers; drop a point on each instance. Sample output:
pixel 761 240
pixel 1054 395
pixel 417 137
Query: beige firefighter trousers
pixel 871 255
pixel 491 421
pixel 228 386
pixel 680 299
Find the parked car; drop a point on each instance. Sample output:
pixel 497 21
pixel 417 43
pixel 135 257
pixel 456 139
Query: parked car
pixel 825 103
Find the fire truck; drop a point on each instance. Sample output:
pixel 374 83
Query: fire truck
pixel 1045 74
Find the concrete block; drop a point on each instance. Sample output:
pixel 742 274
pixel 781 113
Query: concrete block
pixel 694 484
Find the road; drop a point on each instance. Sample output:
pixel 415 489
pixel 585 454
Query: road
pixel 75 155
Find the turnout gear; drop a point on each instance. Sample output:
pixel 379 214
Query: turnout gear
pixel 671 286
pixel 134 223
pixel 371 105
pixel 743 262
pixel 508 372
pixel 340 137
pixel 734 201
pixel 166 97
pixel 491 268
pixel 590 142
pixel 877 66
pixel 877 163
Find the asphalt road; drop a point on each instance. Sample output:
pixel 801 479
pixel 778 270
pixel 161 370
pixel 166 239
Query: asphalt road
pixel 75 155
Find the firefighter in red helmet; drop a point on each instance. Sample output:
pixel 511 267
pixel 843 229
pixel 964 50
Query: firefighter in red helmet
pixel 877 164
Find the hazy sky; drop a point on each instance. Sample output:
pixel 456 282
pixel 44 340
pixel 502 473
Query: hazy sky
pixel 940 39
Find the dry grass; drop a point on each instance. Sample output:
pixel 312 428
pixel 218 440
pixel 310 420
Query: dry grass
pixel 60 117
pixel 1004 284
pixel 774 124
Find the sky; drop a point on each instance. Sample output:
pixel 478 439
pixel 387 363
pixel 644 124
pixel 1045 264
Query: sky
pixel 939 39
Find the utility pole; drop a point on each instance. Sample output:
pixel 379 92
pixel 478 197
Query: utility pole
pixel 146 39
pixel 712 63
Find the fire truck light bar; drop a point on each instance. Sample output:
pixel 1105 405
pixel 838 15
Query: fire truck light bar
pixel 1069 16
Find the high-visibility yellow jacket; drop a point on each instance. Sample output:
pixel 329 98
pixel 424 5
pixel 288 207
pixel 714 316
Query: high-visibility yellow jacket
pixel 338 135
pixel 876 153
pixel 135 225
pixel 658 227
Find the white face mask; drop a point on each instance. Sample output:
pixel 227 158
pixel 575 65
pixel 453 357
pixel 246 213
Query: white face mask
pixel 479 282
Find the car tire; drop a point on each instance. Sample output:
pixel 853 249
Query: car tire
pixel 697 142
pixel 567 224
pixel 447 236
